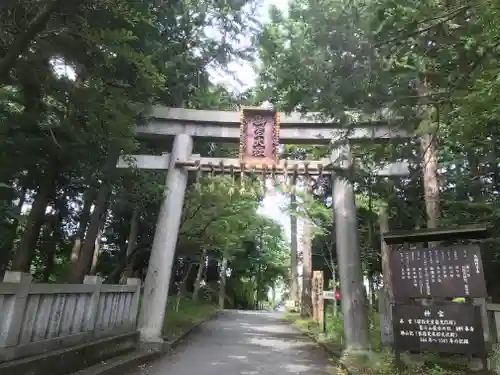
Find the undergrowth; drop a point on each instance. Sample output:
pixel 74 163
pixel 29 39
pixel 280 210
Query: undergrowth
pixel 188 314
pixel 381 362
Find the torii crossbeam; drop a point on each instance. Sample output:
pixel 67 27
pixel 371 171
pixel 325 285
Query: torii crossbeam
pixel 295 128
pixel 229 165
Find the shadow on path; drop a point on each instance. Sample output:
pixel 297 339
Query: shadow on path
pixel 242 343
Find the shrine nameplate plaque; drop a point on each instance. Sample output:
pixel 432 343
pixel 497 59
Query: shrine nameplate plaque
pixel 259 137
pixel 445 328
pixel 438 272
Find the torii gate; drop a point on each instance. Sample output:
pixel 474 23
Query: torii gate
pixel 259 132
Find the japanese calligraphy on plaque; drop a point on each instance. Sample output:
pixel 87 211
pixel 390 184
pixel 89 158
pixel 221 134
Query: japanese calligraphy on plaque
pixel 445 328
pixel 259 137
pixel 438 272
pixel 317 296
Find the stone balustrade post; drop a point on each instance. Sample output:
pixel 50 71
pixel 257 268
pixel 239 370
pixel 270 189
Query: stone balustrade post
pixel 12 320
pixel 92 308
pixel 134 305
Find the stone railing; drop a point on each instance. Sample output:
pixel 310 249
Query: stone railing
pixel 38 318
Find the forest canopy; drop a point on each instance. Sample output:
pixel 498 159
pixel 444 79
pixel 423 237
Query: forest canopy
pixel 75 80
pixel 430 67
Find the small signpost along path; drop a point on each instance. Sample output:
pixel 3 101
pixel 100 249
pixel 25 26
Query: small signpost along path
pixel 332 295
pixel 439 274
pixel 320 297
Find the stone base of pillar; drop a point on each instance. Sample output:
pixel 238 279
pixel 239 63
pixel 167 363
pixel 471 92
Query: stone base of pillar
pixel 154 346
pixel 357 358
pixel 150 341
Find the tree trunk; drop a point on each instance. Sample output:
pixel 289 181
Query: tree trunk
pixel 45 248
pixel 334 282
pixel 222 285
pixel 7 250
pixel 181 289
pixel 84 263
pixel 386 296
pixel 49 252
pixel 385 250
pixel 294 282
pixel 131 244
pixel 36 217
pixel 49 262
pixel 306 309
pixel 493 158
pixel 88 200
pixel 370 291
pixel 374 291
pixel 431 179
pixel 429 150
pixel 257 289
pixel 462 191
pixel 199 275
pixel 97 252
pixel 115 275
pixel 475 188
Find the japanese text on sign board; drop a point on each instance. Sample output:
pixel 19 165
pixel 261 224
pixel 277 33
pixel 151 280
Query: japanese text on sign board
pixel 451 328
pixel 439 272
pixel 317 296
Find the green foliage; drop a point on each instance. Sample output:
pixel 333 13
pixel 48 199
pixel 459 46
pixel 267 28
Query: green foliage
pixel 217 212
pixel 72 89
pixel 189 314
pixel 307 207
pixel 264 262
pixel 433 64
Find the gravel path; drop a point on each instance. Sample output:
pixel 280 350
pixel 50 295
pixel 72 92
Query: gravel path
pixel 242 343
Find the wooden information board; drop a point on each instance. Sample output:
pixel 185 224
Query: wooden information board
pixel 455 271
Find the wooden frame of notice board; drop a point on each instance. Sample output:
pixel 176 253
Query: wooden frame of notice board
pixel 436 275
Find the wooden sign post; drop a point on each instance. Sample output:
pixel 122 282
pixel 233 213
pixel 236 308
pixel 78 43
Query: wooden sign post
pixel 332 295
pixel 317 297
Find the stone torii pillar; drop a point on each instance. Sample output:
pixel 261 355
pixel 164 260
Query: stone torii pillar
pixel 154 300
pixel 353 297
